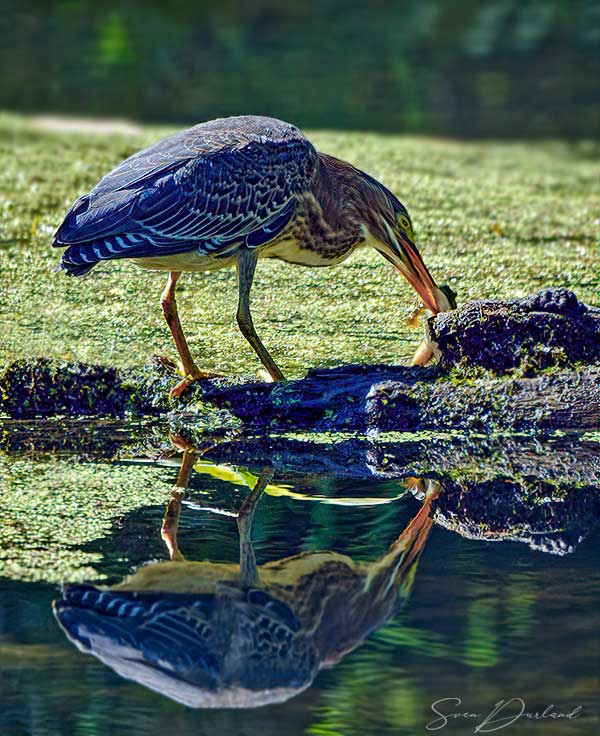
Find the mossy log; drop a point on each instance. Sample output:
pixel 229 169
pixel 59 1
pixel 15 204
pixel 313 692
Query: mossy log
pixel 526 364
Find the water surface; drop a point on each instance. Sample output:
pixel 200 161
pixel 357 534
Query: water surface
pixel 454 600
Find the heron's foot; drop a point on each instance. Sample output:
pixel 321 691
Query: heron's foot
pixel 193 376
pixel 181 443
pixel 198 374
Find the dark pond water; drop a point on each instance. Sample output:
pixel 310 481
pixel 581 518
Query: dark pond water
pixel 372 600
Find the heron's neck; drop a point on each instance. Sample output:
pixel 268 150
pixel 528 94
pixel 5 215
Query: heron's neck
pixel 352 199
pixel 337 191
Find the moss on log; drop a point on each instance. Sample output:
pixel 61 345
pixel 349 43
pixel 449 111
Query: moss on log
pixel 550 328
pixel 525 364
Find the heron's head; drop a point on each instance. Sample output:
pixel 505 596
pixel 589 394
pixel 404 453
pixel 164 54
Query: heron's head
pixel 390 232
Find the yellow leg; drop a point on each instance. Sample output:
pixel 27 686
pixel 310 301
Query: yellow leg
pixel 424 354
pixel 246 263
pixel 170 522
pixel 169 306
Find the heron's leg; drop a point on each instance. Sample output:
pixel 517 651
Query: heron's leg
pixel 170 525
pixel 169 306
pixel 170 522
pixel 246 263
pixel 248 569
pixel 423 354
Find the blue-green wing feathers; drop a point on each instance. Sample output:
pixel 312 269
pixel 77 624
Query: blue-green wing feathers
pixel 234 181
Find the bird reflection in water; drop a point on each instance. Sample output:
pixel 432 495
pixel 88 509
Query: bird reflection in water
pixel 219 635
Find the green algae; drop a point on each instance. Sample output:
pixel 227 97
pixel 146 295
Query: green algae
pixel 58 512
pixel 52 509
pixel 492 219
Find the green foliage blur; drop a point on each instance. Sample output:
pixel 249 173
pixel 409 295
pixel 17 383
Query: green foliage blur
pixel 503 68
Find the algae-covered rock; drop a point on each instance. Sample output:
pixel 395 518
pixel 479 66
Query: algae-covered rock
pixel 550 328
pixel 48 387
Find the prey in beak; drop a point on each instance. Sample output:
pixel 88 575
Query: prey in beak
pixel 399 249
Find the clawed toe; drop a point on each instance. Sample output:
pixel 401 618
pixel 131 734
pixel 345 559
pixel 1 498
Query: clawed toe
pixel 181 387
pixel 190 378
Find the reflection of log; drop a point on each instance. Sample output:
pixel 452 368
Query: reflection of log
pixel 566 461
pixel 542 516
pixel 551 329
pixel 542 491
pixel 96 439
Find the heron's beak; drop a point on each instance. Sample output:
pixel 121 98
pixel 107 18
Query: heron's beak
pixel 403 254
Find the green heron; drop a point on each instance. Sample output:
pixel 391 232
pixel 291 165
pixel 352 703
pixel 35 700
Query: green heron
pixel 231 191
pixel 218 635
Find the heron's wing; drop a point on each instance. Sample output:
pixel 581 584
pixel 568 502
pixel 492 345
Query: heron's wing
pixel 195 648
pixel 187 192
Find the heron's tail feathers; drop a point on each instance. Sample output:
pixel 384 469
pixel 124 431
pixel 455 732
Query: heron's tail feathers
pixel 77 260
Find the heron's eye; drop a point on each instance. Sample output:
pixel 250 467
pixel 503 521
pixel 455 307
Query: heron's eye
pixel 404 223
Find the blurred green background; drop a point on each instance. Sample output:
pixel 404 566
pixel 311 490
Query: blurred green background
pixel 500 68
